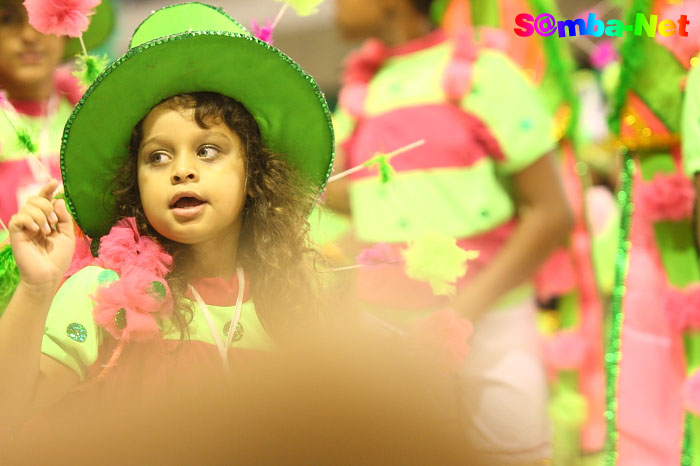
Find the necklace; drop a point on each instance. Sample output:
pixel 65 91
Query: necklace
pixel 221 346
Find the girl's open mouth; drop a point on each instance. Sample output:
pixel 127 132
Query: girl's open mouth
pixel 188 207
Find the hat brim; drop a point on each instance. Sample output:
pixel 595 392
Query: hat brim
pixel 101 27
pixel 288 106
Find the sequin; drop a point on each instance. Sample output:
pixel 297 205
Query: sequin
pixel 526 124
pixel 120 319
pixel 107 276
pixel 238 334
pixel 157 290
pixel 76 332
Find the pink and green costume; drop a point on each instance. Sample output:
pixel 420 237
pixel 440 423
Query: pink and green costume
pixel 73 338
pixel 44 121
pixel 482 122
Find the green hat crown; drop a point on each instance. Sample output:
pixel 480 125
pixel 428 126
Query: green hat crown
pixel 184 48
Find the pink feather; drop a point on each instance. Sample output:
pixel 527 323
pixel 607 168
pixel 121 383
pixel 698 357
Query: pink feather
pixel 124 246
pixel 60 17
pixel 264 33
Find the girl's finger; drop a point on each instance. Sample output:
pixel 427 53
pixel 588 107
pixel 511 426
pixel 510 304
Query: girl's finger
pixel 45 206
pixel 39 217
pixel 48 189
pixel 22 221
pixel 65 221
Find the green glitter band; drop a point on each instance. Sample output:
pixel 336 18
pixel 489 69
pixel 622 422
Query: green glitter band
pixel 613 354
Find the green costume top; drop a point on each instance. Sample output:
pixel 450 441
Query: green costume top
pixel 73 338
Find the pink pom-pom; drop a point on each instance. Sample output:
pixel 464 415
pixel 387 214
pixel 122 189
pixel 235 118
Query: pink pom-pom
pixel 127 308
pixel 565 351
pixel 667 197
pixel 603 55
pixel 691 393
pixel 60 17
pixel 264 33
pixel 124 246
pixel 445 335
pixel 379 254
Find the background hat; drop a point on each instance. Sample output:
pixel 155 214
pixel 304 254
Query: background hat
pixel 179 49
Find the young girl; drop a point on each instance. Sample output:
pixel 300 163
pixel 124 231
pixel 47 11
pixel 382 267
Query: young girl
pixel 185 159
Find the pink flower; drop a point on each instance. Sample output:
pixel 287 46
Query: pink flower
pixel 603 54
pixel 264 33
pixel 60 17
pixel 127 308
pixel 124 246
pixel 667 197
pixel 565 351
pixel 445 335
pixel 379 254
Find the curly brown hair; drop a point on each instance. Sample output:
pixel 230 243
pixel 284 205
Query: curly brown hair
pixel 274 248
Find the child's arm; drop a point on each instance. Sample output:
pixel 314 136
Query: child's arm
pixel 544 220
pixel 43 255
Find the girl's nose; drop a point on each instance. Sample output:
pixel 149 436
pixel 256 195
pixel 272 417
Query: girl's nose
pixel 29 34
pixel 184 171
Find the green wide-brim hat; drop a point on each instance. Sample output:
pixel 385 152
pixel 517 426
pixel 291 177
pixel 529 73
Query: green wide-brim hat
pixel 180 49
pixel 101 27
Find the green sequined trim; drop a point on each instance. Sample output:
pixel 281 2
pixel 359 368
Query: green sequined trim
pixel 157 290
pixel 613 354
pixel 238 334
pixel 107 276
pixel 76 332
pixel 120 319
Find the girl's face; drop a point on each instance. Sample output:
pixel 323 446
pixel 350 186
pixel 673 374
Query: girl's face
pixel 191 180
pixel 27 57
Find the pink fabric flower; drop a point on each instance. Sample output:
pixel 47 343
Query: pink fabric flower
pixel 556 276
pixel 380 254
pixel 445 335
pixel 691 393
pixel 264 33
pixel 604 54
pixel 565 351
pixel 683 308
pixel 61 17
pixel 667 197
pixel 127 308
pixel 352 98
pixel 124 246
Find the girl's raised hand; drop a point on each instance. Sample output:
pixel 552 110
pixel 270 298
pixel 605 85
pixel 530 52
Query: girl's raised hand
pixel 42 239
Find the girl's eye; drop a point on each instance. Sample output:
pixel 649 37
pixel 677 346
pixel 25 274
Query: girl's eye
pixel 208 152
pixel 9 17
pixel 157 157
